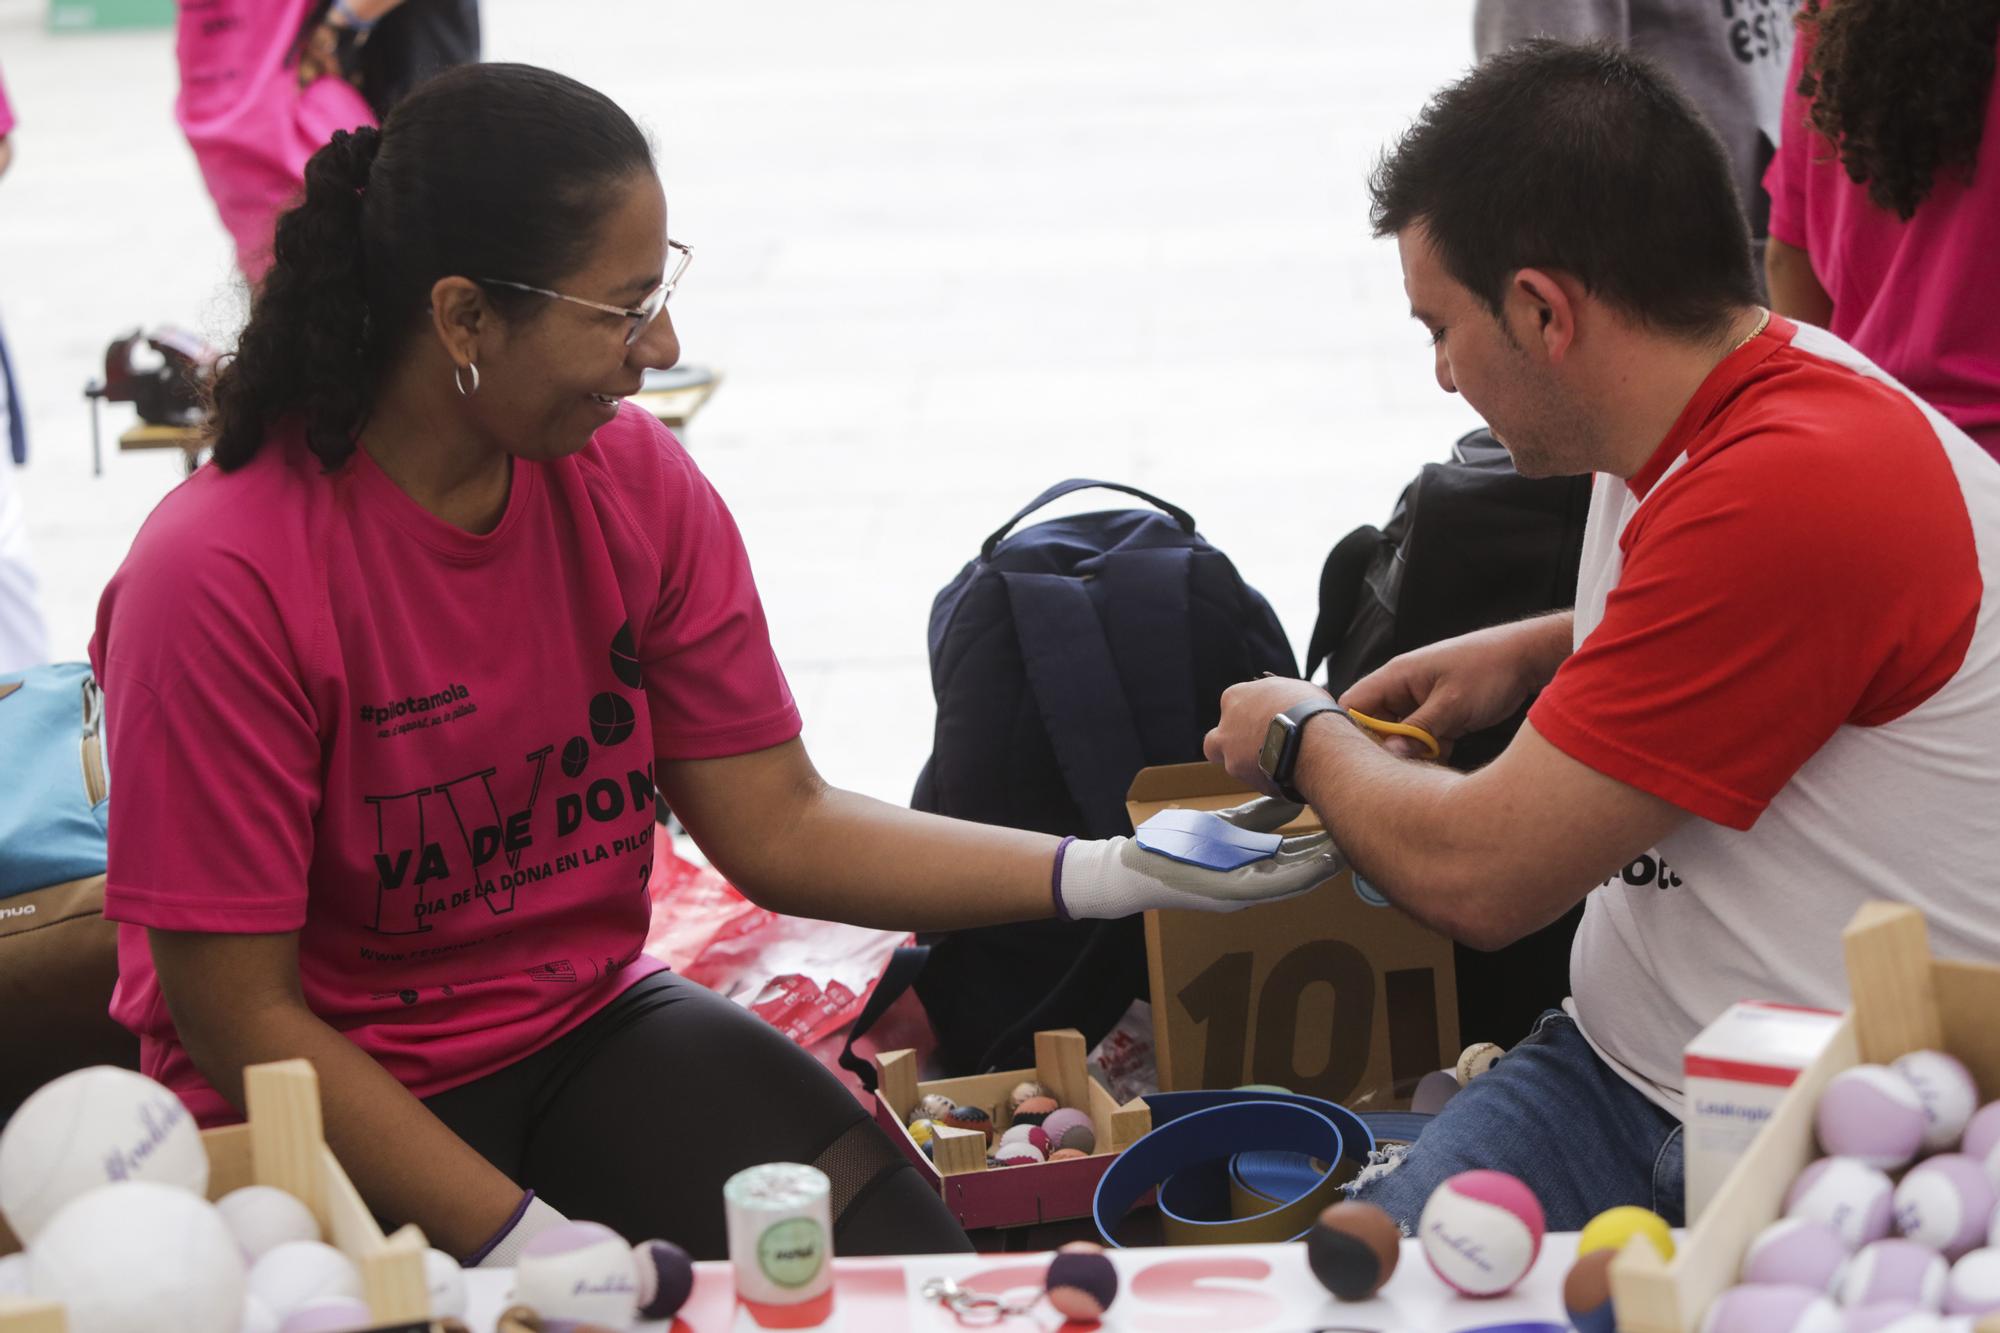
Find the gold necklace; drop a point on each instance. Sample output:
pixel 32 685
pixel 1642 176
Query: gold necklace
pixel 1762 323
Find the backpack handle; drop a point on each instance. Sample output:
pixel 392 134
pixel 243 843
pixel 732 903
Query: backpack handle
pixel 1062 488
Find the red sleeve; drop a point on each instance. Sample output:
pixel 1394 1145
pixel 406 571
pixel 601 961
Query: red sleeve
pixel 214 751
pixel 713 682
pixel 1785 178
pixel 1768 596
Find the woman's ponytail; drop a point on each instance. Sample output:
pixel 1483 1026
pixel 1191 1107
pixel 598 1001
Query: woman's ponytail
pixel 307 348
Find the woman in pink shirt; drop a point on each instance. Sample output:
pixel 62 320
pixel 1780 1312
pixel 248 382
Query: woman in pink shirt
pixel 1885 195
pixel 391 687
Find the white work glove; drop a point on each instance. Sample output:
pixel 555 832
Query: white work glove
pixel 530 1220
pixel 1116 877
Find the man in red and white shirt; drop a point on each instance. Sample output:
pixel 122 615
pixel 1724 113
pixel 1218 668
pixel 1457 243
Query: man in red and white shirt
pixel 1779 693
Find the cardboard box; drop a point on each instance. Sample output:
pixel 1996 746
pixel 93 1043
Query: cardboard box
pixel 1334 994
pixel 282 1144
pixel 1903 1001
pixel 1012 1196
pixel 1736 1073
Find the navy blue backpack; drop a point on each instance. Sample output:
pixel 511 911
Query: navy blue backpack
pixel 1065 658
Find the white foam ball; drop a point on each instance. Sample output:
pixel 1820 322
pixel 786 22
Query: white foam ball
pixel 1974 1285
pixel 139 1257
pixel 257 1316
pixel 1895 1270
pixel 298 1271
pixel 94 1127
pixel 263 1217
pixel 13 1275
pixel 579 1271
pixel 446 1281
pixel 1948 1095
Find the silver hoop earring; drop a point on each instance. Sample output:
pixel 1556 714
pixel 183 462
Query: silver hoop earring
pixel 458 378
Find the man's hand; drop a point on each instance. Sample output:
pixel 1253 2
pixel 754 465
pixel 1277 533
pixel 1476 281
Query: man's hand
pixel 1464 684
pixel 1247 710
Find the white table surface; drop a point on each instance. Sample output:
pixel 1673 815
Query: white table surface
pixel 1240 1288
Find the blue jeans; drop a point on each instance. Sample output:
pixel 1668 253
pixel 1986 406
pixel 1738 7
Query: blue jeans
pixel 1553 1114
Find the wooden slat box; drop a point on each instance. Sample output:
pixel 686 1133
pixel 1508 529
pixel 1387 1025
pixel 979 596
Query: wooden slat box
pixel 1903 1001
pixel 283 1143
pixel 1009 1196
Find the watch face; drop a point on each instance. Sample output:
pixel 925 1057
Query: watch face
pixel 1273 753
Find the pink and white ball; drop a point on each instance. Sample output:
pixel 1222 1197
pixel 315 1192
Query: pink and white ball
pixel 580 1271
pixel 1895 1270
pixel 1974 1285
pixel 139 1257
pixel 1853 1198
pixel 1771 1309
pixel 1481 1231
pixel 1946 1203
pixel 1872 1114
pixel 1947 1093
pixel 1794 1252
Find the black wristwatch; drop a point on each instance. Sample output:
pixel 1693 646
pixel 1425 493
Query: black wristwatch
pixel 1279 758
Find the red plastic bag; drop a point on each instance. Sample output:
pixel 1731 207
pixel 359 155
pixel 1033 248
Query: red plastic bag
pixel 808 979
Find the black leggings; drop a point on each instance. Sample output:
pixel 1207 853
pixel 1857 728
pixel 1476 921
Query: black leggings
pixel 637 1117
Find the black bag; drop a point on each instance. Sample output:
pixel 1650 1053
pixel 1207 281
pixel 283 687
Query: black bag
pixel 1064 659
pixel 1471 543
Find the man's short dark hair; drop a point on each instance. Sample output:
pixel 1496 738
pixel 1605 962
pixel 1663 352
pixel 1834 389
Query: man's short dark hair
pixel 1579 158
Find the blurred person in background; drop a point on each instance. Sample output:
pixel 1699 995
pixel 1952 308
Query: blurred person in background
pixel 24 638
pixel 1885 196
pixel 1729 57
pixel 265 83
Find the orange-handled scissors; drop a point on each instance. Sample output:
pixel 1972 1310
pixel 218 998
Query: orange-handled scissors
pixel 1382 731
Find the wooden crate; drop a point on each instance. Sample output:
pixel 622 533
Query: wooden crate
pixel 1016 1195
pixel 283 1143
pixel 1903 1001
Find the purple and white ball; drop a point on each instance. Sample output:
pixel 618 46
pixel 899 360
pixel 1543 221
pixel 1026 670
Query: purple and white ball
pixel 666 1278
pixel 1946 1203
pixel 1871 1113
pixel 1982 1140
pixel 580 1271
pixel 446 1283
pixel 1794 1252
pixel 1071 1128
pixel 1974 1284
pixel 1853 1198
pixel 332 1314
pixel 1947 1093
pixel 1768 1309
pixel 1082 1283
pixel 1893 1317
pixel 263 1217
pixel 1895 1270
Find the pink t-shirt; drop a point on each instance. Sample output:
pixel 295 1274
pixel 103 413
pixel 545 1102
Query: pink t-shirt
pixel 1915 297
pixel 6 113
pixel 249 123
pixel 428 752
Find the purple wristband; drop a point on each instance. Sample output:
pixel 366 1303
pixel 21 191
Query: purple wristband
pixel 521 1211
pixel 1055 880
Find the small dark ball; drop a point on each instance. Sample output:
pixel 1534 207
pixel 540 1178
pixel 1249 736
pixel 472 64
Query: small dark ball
pixel 611 718
pixel 625 657
pixel 1082 1283
pixel 1587 1293
pixel 1353 1249
pixel 666 1278
pixel 576 755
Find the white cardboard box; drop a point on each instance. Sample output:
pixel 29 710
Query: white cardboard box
pixel 1736 1072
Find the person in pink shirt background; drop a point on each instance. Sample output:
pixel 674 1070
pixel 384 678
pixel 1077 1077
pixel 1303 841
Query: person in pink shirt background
pixel 390 687
pixel 265 83
pixel 1885 195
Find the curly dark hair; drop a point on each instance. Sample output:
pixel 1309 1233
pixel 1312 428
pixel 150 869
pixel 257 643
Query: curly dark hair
pixel 485 170
pixel 1900 90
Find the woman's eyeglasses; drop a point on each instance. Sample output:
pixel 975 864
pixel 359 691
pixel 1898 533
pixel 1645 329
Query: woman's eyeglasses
pixel 641 315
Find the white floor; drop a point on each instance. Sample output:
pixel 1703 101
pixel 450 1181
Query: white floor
pixel 947 254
